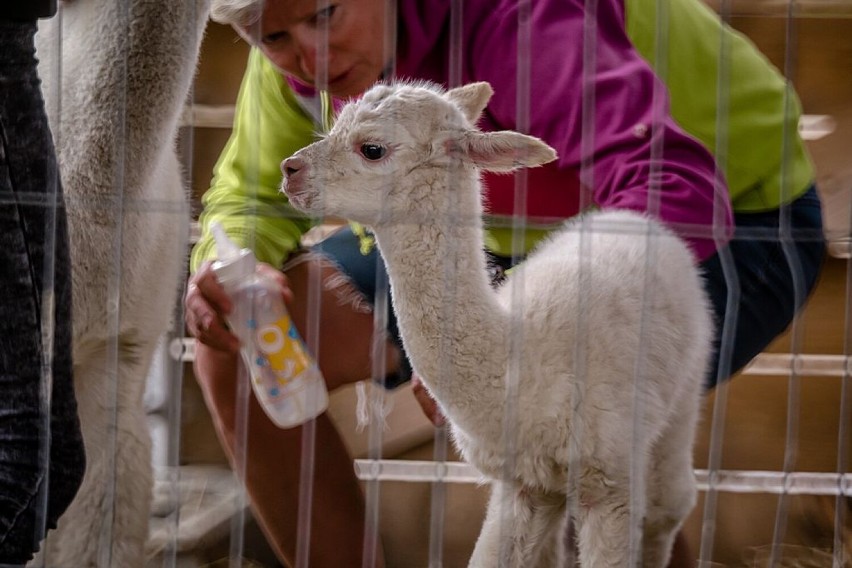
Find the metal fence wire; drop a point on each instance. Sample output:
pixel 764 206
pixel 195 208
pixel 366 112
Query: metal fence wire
pixel 147 99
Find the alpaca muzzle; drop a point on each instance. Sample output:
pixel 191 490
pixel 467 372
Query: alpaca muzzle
pixel 294 170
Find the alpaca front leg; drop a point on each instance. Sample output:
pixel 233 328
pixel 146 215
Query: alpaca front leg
pixel 548 528
pixel 522 529
pixel 487 550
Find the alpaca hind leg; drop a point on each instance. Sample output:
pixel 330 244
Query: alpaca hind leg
pixel 107 524
pixel 672 492
pixel 523 527
pixel 603 523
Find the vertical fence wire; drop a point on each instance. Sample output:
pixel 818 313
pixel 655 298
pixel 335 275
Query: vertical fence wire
pixel 242 394
pixel 238 521
pixel 786 239
pixel 517 305
pixel 372 552
pixel 587 177
pixel 173 368
pixel 580 309
pixel 170 477
pixel 449 278
pixel 440 452
pixel 438 500
pixel 376 412
pixel 113 307
pixel 731 316
pixel 641 456
pixel 307 458
pixel 376 398
pixel 840 547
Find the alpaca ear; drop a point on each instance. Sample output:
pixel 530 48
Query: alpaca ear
pixel 471 99
pixel 505 151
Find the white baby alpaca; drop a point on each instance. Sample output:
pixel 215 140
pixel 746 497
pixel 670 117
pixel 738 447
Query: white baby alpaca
pixel 608 317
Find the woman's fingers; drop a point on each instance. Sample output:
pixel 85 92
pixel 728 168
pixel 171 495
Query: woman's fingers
pixel 206 305
pixel 427 403
pixel 272 273
pixel 205 283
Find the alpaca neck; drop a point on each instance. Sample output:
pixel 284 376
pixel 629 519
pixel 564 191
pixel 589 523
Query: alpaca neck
pixel 454 330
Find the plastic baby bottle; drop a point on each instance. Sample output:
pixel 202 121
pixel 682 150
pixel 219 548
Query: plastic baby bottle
pixel 286 380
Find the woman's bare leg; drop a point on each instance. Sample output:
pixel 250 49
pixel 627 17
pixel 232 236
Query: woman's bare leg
pixel 273 455
pixel 681 555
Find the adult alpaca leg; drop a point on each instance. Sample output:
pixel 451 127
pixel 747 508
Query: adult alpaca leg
pixel 107 524
pixel 126 70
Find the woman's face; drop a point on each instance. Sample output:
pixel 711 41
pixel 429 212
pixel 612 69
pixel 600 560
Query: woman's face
pixel 291 32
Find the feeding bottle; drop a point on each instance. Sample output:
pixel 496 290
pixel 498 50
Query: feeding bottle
pixel 286 380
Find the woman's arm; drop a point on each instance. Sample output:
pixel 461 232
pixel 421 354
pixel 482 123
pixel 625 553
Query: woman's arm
pixel 594 99
pixel 269 126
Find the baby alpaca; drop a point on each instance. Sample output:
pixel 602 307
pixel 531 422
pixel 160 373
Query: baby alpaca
pixel 575 386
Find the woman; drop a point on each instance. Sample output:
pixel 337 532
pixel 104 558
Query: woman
pixel 592 94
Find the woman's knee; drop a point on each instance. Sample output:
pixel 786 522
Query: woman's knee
pixel 337 320
pixel 216 373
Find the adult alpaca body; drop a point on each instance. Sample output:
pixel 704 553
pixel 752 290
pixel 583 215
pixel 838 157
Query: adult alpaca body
pixel 126 68
pixel 609 298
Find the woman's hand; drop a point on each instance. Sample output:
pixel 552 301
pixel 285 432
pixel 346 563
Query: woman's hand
pixel 427 403
pixel 207 305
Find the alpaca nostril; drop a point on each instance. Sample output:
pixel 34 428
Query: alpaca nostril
pixel 291 166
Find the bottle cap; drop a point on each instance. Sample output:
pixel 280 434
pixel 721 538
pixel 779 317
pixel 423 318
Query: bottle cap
pixel 233 263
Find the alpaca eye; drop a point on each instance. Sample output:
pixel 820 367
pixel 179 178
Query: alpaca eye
pixel 373 152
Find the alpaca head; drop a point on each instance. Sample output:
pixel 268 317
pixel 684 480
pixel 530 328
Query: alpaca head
pixel 405 150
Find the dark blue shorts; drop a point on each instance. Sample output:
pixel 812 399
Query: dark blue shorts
pixel 773 260
pixel 772 265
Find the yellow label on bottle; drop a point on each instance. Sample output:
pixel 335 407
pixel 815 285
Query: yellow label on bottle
pixel 280 345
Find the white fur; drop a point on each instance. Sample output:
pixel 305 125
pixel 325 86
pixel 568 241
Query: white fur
pixel 606 323
pixel 126 68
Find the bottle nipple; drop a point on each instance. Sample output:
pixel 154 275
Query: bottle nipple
pixel 226 249
pixel 232 262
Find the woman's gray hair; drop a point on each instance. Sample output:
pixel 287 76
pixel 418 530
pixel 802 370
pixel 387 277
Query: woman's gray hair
pixel 236 12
